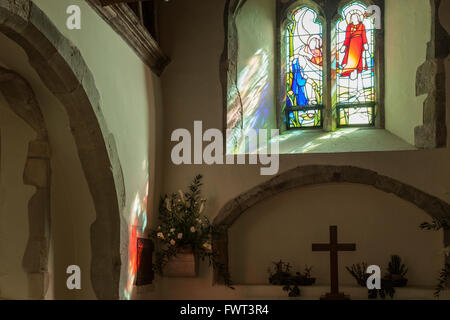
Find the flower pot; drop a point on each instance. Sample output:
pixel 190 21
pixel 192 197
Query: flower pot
pixel 183 265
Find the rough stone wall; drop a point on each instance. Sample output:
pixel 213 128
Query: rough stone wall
pixel 431 80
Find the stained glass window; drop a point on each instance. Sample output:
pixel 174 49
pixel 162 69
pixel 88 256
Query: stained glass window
pixel 304 70
pixel 354 66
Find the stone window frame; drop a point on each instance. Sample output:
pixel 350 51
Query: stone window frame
pixel 328 12
pixel 430 76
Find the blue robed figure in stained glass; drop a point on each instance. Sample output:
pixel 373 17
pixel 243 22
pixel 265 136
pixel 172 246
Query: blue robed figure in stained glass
pixel 298 86
pixel 304 64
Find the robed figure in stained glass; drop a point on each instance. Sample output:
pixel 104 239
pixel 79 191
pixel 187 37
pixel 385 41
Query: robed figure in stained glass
pixel 302 91
pixel 304 69
pixel 297 96
pixel 354 46
pixel 354 80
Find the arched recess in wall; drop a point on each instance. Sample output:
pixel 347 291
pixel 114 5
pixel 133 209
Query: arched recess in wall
pixel 313 175
pixel 63 70
pixel 21 99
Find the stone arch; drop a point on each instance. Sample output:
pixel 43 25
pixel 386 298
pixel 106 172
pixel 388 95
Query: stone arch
pixel 312 175
pixel 65 73
pixel 21 99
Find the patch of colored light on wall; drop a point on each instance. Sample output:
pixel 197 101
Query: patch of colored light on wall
pixel 136 229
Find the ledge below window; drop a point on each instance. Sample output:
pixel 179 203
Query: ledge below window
pixel 342 140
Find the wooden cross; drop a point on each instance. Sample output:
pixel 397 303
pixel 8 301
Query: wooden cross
pixel 334 247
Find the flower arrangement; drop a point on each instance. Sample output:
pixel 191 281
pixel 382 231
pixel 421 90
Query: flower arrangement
pixel 184 227
pixel 397 271
pixel 444 276
pixel 281 275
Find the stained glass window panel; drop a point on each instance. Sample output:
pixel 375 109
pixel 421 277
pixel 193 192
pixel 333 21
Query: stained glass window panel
pixel 304 69
pixel 354 64
pixel 356 116
pixel 305 119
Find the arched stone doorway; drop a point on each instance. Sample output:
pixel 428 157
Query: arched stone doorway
pixel 64 72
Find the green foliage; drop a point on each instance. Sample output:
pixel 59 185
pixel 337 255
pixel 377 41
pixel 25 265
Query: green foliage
pixel 358 271
pixel 395 266
pixel 444 276
pixel 182 225
pixel 282 276
pixel 436 224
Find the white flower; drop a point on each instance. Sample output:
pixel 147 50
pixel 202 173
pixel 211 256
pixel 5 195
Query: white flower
pixel 202 207
pixel 172 242
pixel 182 196
pixel 172 230
pixel 160 235
pixel 180 236
pixel 207 246
pixel 193 229
pixel 168 206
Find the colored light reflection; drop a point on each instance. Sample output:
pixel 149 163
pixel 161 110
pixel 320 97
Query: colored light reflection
pixel 136 229
pixel 248 103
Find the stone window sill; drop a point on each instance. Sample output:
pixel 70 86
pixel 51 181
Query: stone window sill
pixel 341 141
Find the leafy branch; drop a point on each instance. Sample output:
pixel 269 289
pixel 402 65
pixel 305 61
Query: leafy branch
pixel 444 276
pixel 358 271
pixel 436 225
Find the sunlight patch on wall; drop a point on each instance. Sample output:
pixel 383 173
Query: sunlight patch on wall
pixel 136 229
pixel 248 106
pixel 290 142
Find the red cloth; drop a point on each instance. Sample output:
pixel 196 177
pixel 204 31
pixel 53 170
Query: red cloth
pixel 355 39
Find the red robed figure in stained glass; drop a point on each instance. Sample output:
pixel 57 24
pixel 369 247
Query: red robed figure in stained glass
pixel 355 44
